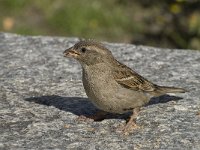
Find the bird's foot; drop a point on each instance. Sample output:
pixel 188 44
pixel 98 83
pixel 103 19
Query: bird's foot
pixel 131 124
pixel 98 116
pixel 129 127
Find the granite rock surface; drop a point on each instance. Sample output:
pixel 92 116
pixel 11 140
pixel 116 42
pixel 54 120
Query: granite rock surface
pixel 41 96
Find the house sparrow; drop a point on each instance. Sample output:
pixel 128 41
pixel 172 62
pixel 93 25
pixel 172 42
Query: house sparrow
pixel 112 86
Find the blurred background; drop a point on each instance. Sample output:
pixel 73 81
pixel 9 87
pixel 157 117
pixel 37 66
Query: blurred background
pixel 167 24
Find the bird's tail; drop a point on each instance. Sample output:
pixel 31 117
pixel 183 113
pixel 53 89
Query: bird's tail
pixel 165 89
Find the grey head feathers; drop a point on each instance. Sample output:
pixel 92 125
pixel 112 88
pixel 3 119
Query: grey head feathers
pixel 92 45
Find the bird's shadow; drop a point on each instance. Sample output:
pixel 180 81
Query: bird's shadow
pixel 82 106
pixel 76 105
pixel 163 99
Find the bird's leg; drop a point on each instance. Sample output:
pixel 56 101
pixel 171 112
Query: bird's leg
pixel 131 124
pixel 98 116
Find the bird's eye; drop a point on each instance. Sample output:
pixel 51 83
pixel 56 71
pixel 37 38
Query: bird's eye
pixel 83 49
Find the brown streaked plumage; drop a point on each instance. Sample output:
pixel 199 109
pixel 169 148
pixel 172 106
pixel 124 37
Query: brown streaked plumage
pixel 110 85
pixel 132 80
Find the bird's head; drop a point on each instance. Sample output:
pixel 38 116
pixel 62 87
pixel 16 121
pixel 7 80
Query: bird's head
pixel 88 52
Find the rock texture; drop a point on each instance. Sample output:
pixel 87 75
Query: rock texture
pixel 41 95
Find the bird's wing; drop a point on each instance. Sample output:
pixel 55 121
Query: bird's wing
pixel 132 80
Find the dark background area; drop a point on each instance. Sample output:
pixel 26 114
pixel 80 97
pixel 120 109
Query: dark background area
pixel 168 24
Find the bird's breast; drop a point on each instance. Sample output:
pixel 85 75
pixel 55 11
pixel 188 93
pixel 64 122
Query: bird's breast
pixel 99 84
pixel 98 78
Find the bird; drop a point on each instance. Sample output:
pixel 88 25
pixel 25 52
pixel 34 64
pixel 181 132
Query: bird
pixel 112 86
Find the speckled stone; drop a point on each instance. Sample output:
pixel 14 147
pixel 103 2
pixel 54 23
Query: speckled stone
pixel 41 95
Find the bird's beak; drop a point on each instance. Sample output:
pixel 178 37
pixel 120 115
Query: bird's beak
pixel 70 52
